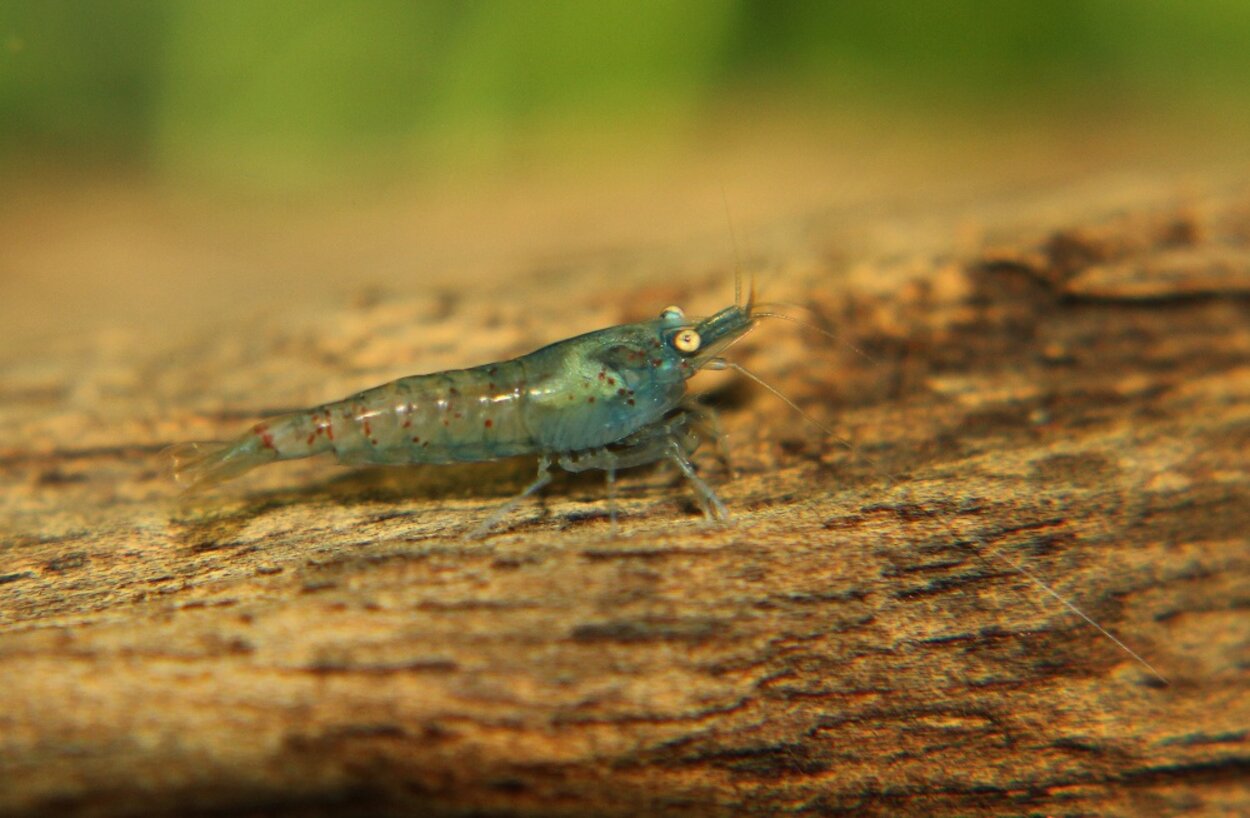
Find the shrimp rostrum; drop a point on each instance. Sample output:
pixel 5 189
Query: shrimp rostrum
pixel 610 399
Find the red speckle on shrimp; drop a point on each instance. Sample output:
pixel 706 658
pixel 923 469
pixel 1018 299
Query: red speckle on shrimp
pixel 262 431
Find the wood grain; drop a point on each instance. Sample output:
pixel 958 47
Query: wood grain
pixel 1068 393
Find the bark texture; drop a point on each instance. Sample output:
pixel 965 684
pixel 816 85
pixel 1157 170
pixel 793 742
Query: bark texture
pixel 1068 392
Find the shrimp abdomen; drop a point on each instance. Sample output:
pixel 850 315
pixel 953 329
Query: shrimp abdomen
pixel 455 416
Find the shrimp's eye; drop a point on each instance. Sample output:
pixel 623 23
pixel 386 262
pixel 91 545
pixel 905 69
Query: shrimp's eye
pixel 672 313
pixel 687 341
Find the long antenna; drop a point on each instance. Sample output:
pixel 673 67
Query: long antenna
pixel 729 219
pixel 986 548
pixel 832 336
pixel 1065 603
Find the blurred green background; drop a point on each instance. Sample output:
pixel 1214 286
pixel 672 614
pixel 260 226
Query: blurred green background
pixel 283 92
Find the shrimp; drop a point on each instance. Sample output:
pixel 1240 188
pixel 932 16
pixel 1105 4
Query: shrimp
pixel 609 399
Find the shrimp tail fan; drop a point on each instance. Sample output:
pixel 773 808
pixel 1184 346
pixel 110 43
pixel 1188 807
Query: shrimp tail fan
pixel 197 466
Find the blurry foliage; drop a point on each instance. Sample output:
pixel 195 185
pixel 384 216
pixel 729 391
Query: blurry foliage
pixel 281 87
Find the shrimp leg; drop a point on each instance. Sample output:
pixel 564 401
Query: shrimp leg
pixel 543 478
pixel 713 508
pixel 673 438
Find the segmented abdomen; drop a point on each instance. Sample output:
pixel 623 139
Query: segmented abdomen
pixel 458 415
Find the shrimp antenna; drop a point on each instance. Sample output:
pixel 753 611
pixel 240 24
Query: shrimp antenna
pixel 769 312
pixel 1040 583
pixel 985 548
pixel 733 236
pixel 721 363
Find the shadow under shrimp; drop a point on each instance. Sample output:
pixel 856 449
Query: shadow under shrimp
pixel 212 522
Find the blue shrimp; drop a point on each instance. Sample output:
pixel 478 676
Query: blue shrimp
pixel 609 399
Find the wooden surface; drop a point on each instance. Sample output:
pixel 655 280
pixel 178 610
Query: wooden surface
pixel 1063 387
